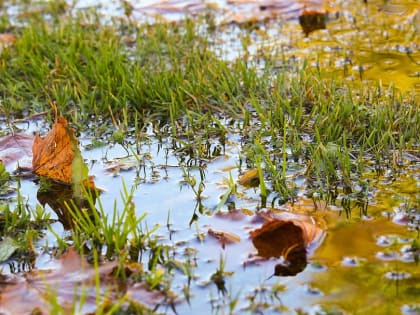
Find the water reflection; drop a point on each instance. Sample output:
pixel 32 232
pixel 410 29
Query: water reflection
pixel 60 197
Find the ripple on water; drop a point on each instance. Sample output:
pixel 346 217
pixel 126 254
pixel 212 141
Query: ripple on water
pixel 351 261
pixel 384 241
pixel 312 290
pixel 411 309
pixel 397 275
pixel 387 255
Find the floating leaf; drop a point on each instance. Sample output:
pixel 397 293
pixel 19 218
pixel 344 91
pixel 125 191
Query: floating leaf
pixel 224 237
pixel 285 239
pixel 276 237
pixel 57 156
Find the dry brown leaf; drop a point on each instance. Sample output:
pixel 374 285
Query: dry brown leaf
pixel 285 239
pixel 53 155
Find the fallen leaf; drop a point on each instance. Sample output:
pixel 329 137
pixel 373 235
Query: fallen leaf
pixel 276 237
pixel 53 155
pixel 72 283
pixel 224 237
pixel 250 178
pixel 57 156
pixel 286 239
pixel 16 149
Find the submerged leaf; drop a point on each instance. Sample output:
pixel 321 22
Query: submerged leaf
pixel 312 20
pixel 73 283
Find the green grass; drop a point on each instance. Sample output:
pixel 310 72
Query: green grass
pixel 120 76
pixel 128 75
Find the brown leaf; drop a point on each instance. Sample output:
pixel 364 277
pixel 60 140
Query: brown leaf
pixel 224 237
pixel 285 239
pixel 276 237
pixel 16 149
pixel 53 155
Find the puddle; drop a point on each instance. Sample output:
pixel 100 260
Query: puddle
pixel 364 262
pixel 360 42
pixel 358 263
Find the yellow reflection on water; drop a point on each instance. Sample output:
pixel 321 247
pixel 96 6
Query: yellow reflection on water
pixel 366 258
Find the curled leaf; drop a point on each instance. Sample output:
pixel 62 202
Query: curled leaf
pixel 53 155
pixel 286 239
pixel 57 156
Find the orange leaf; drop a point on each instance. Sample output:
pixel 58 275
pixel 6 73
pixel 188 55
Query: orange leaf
pixel 53 155
pixel 276 237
